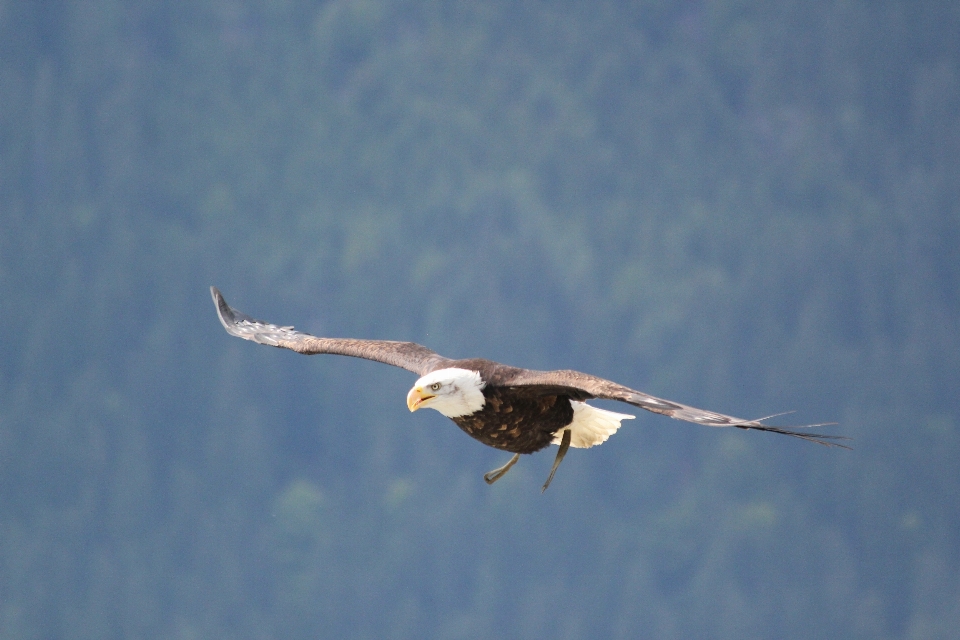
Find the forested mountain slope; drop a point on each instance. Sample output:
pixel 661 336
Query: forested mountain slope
pixel 745 206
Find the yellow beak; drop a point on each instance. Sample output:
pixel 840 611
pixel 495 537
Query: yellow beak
pixel 416 398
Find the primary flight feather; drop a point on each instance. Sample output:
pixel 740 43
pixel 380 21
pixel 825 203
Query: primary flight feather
pixel 509 408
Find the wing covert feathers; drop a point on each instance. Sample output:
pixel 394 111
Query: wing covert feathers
pixel 587 386
pixel 406 355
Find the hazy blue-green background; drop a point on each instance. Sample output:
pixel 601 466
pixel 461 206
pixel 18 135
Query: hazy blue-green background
pixel 747 206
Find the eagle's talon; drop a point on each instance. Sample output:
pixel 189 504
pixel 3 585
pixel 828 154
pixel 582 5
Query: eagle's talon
pixel 492 476
pixel 564 445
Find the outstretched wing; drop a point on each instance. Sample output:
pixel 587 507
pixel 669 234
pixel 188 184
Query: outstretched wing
pixel 583 386
pixel 407 355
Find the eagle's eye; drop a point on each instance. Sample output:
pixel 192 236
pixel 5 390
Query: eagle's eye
pixel 435 386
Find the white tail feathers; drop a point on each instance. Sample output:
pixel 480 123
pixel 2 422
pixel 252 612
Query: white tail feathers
pixel 591 426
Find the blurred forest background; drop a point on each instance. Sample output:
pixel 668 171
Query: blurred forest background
pixel 746 206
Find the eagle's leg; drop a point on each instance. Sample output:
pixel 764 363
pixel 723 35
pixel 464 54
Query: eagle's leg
pixel 496 474
pixel 564 445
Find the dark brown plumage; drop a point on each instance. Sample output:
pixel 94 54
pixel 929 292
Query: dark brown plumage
pixel 517 424
pixel 522 410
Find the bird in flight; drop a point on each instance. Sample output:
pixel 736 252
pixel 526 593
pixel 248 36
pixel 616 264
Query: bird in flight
pixel 508 408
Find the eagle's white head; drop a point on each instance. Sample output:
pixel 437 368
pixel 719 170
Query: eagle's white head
pixel 453 392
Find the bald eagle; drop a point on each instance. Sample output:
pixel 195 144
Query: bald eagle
pixel 516 410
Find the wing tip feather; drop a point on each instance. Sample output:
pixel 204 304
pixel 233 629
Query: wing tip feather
pixel 824 439
pixel 224 312
pixel 241 325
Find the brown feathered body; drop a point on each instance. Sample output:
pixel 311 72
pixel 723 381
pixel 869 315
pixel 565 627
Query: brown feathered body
pixel 512 418
pixel 515 423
